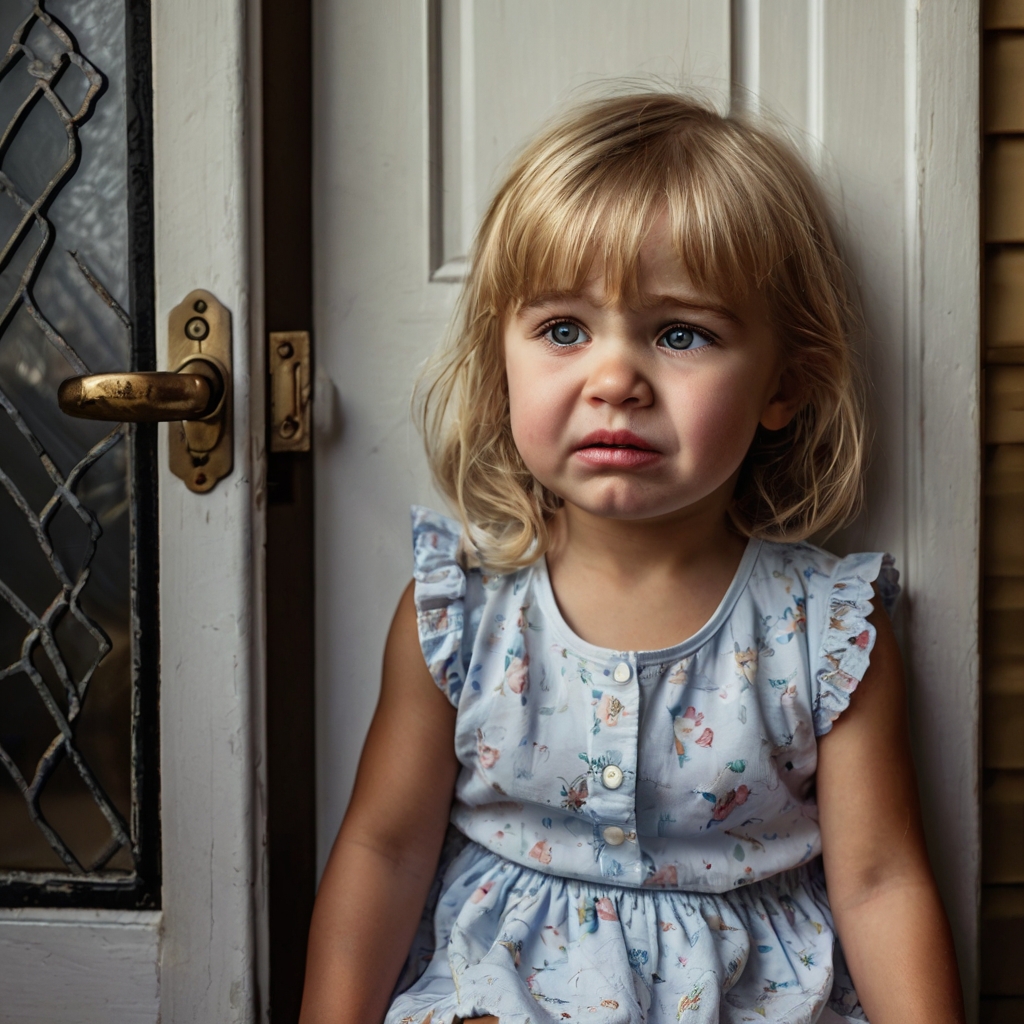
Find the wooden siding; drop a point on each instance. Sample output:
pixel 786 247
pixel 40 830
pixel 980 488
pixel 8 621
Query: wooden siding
pixel 1002 906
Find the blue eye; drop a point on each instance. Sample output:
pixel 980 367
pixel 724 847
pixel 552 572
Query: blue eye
pixel 565 334
pixel 681 339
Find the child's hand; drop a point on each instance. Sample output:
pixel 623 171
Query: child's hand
pixel 884 899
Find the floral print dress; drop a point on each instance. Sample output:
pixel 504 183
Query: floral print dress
pixel 635 832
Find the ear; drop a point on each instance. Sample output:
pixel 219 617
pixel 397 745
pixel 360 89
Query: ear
pixel 783 405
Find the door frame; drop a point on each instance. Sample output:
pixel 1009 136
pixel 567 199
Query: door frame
pixel 208 233
pixel 202 956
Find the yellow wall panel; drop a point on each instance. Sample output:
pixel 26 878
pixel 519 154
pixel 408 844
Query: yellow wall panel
pixel 1004 415
pixel 1004 536
pixel 1003 828
pixel 1002 938
pixel 1004 593
pixel 1004 298
pixel 1004 676
pixel 1004 190
pixel 1004 471
pixel 1004 636
pixel 1003 732
pixel 1002 928
pixel 1004 14
pixel 1004 82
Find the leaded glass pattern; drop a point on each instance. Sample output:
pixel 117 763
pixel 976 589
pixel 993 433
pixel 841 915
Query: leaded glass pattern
pixel 75 680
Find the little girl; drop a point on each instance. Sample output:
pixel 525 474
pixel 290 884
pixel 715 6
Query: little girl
pixel 656 717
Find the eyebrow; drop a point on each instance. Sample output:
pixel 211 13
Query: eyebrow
pixel 705 305
pixel 702 305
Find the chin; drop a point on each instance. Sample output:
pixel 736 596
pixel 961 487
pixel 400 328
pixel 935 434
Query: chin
pixel 627 503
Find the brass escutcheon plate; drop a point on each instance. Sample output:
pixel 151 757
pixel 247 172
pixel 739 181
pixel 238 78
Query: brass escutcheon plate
pixel 199 333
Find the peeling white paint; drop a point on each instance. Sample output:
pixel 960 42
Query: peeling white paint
pixel 86 966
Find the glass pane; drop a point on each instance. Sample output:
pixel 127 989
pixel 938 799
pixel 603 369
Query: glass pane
pixel 69 675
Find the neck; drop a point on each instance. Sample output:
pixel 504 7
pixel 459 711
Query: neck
pixel 672 544
pixel 645 584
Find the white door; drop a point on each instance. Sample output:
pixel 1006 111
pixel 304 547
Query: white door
pixel 141 895
pixel 419 106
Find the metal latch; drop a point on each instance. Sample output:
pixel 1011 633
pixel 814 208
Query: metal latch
pixel 290 388
pixel 198 333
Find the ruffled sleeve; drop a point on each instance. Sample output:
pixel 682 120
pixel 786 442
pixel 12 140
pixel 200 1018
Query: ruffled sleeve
pixel 848 637
pixel 439 595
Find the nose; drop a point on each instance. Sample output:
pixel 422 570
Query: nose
pixel 617 378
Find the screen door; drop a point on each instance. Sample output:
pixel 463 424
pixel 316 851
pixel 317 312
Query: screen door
pixel 130 596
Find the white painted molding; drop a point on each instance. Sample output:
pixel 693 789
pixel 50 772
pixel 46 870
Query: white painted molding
pixel 943 447
pixel 452 272
pixel 210 597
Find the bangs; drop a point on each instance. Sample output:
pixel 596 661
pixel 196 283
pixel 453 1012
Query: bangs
pixel 573 214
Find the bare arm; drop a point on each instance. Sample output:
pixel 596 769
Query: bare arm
pixel 886 906
pixel 383 861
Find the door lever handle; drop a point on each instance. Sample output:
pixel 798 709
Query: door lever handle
pixel 193 393
pixel 195 396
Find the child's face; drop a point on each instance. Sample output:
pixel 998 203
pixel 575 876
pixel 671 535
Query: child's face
pixel 633 413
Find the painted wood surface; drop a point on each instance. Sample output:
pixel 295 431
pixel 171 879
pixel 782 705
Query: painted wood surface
pixel 198 960
pixel 209 586
pixel 79 965
pixel 883 99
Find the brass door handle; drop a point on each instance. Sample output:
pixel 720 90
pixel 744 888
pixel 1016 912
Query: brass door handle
pixel 193 393
pixel 195 396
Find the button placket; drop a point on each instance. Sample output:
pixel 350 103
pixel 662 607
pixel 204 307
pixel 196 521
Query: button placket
pixel 612 792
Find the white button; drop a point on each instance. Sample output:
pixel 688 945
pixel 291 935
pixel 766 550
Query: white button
pixel 611 776
pixel 613 835
pixel 622 672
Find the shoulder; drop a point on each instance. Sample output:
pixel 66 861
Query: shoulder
pixel 449 591
pixel 823 576
pixel 839 597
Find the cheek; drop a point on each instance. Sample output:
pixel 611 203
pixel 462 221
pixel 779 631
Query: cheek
pixel 533 411
pixel 718 422
pixel 533 414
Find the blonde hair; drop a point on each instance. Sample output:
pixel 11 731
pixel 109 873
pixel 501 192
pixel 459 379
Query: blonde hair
pixel 743 211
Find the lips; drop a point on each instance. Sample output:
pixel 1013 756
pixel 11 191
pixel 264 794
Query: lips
pixel 616 449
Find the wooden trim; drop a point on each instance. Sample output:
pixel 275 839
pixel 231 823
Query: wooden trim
pixel 942 453
pixel 211 596
pixel 1002 590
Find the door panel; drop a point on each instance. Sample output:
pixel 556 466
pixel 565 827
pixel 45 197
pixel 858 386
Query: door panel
pixel 498 69
pixel 881 97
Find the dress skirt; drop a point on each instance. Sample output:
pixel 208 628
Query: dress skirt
pixel 531 947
